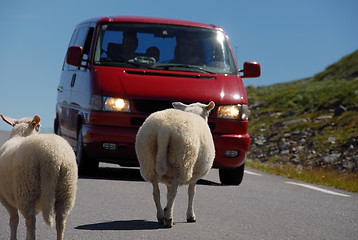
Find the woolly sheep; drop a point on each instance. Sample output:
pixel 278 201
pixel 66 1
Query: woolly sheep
pixel 38 172
pixel 175 147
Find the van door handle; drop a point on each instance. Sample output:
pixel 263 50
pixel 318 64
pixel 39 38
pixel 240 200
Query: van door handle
pixel 73 80
pixel 60 89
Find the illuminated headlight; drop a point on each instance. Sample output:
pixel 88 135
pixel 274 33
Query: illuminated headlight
pixel 240 112
pixel 116 104
pixel 110 104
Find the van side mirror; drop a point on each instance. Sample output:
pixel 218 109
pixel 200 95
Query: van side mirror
pixel 251 70
pixel 74 56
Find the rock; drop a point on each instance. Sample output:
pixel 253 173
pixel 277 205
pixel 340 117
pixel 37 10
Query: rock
pixel 283 152
pixel 294 121
pixel 323 118
pixel 297 149
pixel 300 133
pixel 339 110
pixel 295 159
pixel 286 135
pixel 260 142
pixel 330 159
pixel 274 152
pixel 276 114
pixel 283 144
pixel 300 148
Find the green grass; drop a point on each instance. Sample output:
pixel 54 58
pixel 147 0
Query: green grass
pixel 321 176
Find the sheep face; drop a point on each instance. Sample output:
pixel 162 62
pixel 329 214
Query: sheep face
pixel 201 109
pixel 23 127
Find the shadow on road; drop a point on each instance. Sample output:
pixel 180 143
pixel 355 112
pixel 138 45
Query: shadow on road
pixel 130 174
pixel 121 225
pixel 116 173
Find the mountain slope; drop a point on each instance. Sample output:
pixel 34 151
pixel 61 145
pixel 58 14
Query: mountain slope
pixel 310 122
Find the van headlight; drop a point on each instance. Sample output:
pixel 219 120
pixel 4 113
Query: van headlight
pixel 239 111
pixel 116 104
pixel 103 103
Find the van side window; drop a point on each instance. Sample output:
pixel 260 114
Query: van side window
pixel 72 43
pixel 81 37
pixel 87 46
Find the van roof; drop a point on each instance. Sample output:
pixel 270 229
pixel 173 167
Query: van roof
pixel 137 19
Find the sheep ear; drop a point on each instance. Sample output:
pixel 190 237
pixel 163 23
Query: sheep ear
pixel 179 105
pixel 35 121
pixel 210 106
pixel 8 120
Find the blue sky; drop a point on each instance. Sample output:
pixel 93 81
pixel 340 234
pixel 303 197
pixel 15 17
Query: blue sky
pixel 290 39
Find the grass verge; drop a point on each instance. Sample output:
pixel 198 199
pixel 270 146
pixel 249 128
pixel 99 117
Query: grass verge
pixel 320 176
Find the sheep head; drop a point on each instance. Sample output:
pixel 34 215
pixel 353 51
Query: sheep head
pixel 23 127
pixel 201 109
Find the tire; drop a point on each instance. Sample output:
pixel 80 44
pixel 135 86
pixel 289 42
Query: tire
pixel 86 165
pixel 233 176
pixel 56 126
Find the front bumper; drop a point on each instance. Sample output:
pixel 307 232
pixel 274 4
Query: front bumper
pixel 230 142
pixel 95 137
pixel 122 140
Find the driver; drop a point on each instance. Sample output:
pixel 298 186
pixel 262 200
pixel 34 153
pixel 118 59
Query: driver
pixel 129 45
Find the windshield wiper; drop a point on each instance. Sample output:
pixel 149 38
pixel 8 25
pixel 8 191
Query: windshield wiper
pixel 175 65
pixel 139 62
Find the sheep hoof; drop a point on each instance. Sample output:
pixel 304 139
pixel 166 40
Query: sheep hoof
pixel 191 220
pixel 161 221
pixel 168 223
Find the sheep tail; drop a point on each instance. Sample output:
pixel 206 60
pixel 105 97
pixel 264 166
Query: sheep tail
pixel 47 218
pixel 162 143
pixel 47 210
pixel 48 194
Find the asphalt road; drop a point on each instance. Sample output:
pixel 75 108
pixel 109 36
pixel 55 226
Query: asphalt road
pixel 118 204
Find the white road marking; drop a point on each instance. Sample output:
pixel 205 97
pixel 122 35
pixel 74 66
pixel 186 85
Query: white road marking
pixel 319 189
pixel 252 173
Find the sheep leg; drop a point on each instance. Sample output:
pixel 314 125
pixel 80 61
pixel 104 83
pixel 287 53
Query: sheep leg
pixel 62 208
pixel 60 225
pixel 156 196
pixel 14 219
pixel 190 215
pixel 168 211
pixel 30 219
pixel 14 222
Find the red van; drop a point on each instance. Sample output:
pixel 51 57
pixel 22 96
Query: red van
pixel 118 70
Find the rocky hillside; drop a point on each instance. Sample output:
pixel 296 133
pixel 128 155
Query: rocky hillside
pixel 308 122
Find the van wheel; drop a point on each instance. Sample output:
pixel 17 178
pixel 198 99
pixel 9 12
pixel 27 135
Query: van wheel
pixel 86 165
pixel 57 129
pixel 233 176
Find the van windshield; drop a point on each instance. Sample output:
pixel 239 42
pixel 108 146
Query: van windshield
pixel 164 47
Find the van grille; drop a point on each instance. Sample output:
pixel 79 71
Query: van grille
pixel 150 106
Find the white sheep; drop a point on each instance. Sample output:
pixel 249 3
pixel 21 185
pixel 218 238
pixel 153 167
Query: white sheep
pixel 38 172
pixel 175 147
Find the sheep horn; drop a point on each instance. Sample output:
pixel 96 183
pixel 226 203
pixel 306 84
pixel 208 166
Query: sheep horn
pixel 8 120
